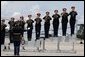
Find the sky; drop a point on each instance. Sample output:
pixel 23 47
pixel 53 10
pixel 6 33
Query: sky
pixel 18 8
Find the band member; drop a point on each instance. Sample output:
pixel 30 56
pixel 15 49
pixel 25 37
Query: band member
pixel 38 25
pixel 47 19
pixel 17 37
pixel 72 14
pixel 3 26
pixel 64 21
pixel 29 27
pixel 11 24
pixel 22 24
pixel 56 17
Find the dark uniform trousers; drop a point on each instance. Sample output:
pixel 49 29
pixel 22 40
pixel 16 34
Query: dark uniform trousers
pixel 38 29
pixel 46 28
pixel 22 33
pixel 72 25
pixel 29 34
pixel 64 28
pixel 16 47
pixel 55 27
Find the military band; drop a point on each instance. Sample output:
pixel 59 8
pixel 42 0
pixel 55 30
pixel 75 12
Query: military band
pixel 17 27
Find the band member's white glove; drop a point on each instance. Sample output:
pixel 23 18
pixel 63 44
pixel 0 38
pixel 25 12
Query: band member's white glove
pixel 28 28
pixel 7 28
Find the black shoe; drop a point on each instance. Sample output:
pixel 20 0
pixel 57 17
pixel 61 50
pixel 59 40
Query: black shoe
pixel 35 39
pixel 38 49
pixel 56 36
pixel 46 37
pixel 81 42
pixel 4 48
pixel 8 47
pixel 23 48
pixel 18 55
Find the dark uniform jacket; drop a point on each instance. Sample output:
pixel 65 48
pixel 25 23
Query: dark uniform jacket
pixel 30 23
pixel 38 21
pixel 22 23
pixel 11 23
pixel 47 19
pixel 3 27
pixel 64 17
pixel 56 18
pixel 73 15
pixel 17 33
